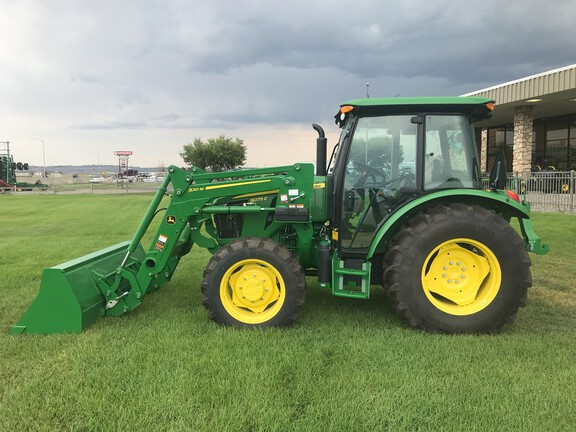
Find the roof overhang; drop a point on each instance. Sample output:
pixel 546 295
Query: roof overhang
pixel 551 94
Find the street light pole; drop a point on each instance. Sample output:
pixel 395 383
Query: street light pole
pixel 43 154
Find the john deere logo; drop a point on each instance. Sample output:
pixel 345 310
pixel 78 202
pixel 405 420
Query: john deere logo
pixel 170 220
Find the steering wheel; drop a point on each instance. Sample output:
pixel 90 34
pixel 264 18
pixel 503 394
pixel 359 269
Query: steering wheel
pixel 378 176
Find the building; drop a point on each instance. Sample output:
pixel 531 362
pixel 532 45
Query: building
pixel 534 122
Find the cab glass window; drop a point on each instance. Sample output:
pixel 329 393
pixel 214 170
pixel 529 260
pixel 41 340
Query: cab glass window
pixel 381 161
pixel 450 159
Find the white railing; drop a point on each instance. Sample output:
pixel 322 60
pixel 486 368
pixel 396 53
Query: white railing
pixel 545 190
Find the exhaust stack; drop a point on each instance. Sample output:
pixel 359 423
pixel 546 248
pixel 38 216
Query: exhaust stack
pixel 321 145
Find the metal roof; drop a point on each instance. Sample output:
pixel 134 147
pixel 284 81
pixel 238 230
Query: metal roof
pixel 555 89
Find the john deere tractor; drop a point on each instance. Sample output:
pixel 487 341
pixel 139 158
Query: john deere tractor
pixel 400 204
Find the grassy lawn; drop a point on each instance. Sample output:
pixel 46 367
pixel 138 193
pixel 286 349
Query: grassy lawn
pixel 347 365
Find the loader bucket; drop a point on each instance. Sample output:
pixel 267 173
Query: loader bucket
pixel 69 299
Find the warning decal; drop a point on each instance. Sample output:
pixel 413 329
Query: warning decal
pixel 160 243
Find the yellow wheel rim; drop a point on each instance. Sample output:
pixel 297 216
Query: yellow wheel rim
pixel 461 276
pixel 252 291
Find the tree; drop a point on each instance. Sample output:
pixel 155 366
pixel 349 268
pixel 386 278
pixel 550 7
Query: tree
pixel 217 154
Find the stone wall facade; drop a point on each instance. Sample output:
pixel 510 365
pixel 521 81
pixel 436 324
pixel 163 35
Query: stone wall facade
pixel 523 132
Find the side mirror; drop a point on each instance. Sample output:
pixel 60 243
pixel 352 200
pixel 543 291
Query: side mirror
pixel 498 174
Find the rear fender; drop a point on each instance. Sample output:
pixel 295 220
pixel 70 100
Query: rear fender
pixel 501 203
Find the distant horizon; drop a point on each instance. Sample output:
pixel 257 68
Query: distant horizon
pixel 86 169
pixel 91 169
pixel 85 165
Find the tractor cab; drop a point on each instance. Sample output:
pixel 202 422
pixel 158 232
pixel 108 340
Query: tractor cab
pixel 394 150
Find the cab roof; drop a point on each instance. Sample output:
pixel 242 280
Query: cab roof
pixel 437 100
pixel 476 107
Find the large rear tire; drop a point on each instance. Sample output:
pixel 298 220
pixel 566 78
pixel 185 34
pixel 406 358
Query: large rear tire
pixel 457 269
pixel 254 282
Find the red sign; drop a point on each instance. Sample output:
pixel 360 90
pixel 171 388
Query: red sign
pixel 123 153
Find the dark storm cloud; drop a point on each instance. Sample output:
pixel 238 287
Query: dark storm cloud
pixel 265 58
pixel 255 61
pixel 458 41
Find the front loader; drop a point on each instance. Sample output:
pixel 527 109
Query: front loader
pixel 401 205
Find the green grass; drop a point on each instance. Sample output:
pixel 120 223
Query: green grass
pixel 347 365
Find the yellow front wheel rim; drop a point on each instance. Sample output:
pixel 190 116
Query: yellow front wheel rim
pixel 252 291
pixel 461 276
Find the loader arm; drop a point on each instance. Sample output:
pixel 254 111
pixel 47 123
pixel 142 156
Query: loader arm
pixel 195 199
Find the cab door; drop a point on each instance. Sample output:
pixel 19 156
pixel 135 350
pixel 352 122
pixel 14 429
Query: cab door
pixel 379 166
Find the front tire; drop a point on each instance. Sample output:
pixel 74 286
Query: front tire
pixel 457 269
pixel 253 282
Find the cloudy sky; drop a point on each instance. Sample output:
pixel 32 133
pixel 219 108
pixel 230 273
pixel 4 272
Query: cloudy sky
pixel 90 77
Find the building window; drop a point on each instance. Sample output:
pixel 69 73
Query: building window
pixel 500 139
pixel 557 153
pixel 539 145
pixel 553 147
pixel 572 148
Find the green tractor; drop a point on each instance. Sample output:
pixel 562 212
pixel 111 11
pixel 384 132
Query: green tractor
pixel 400 204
